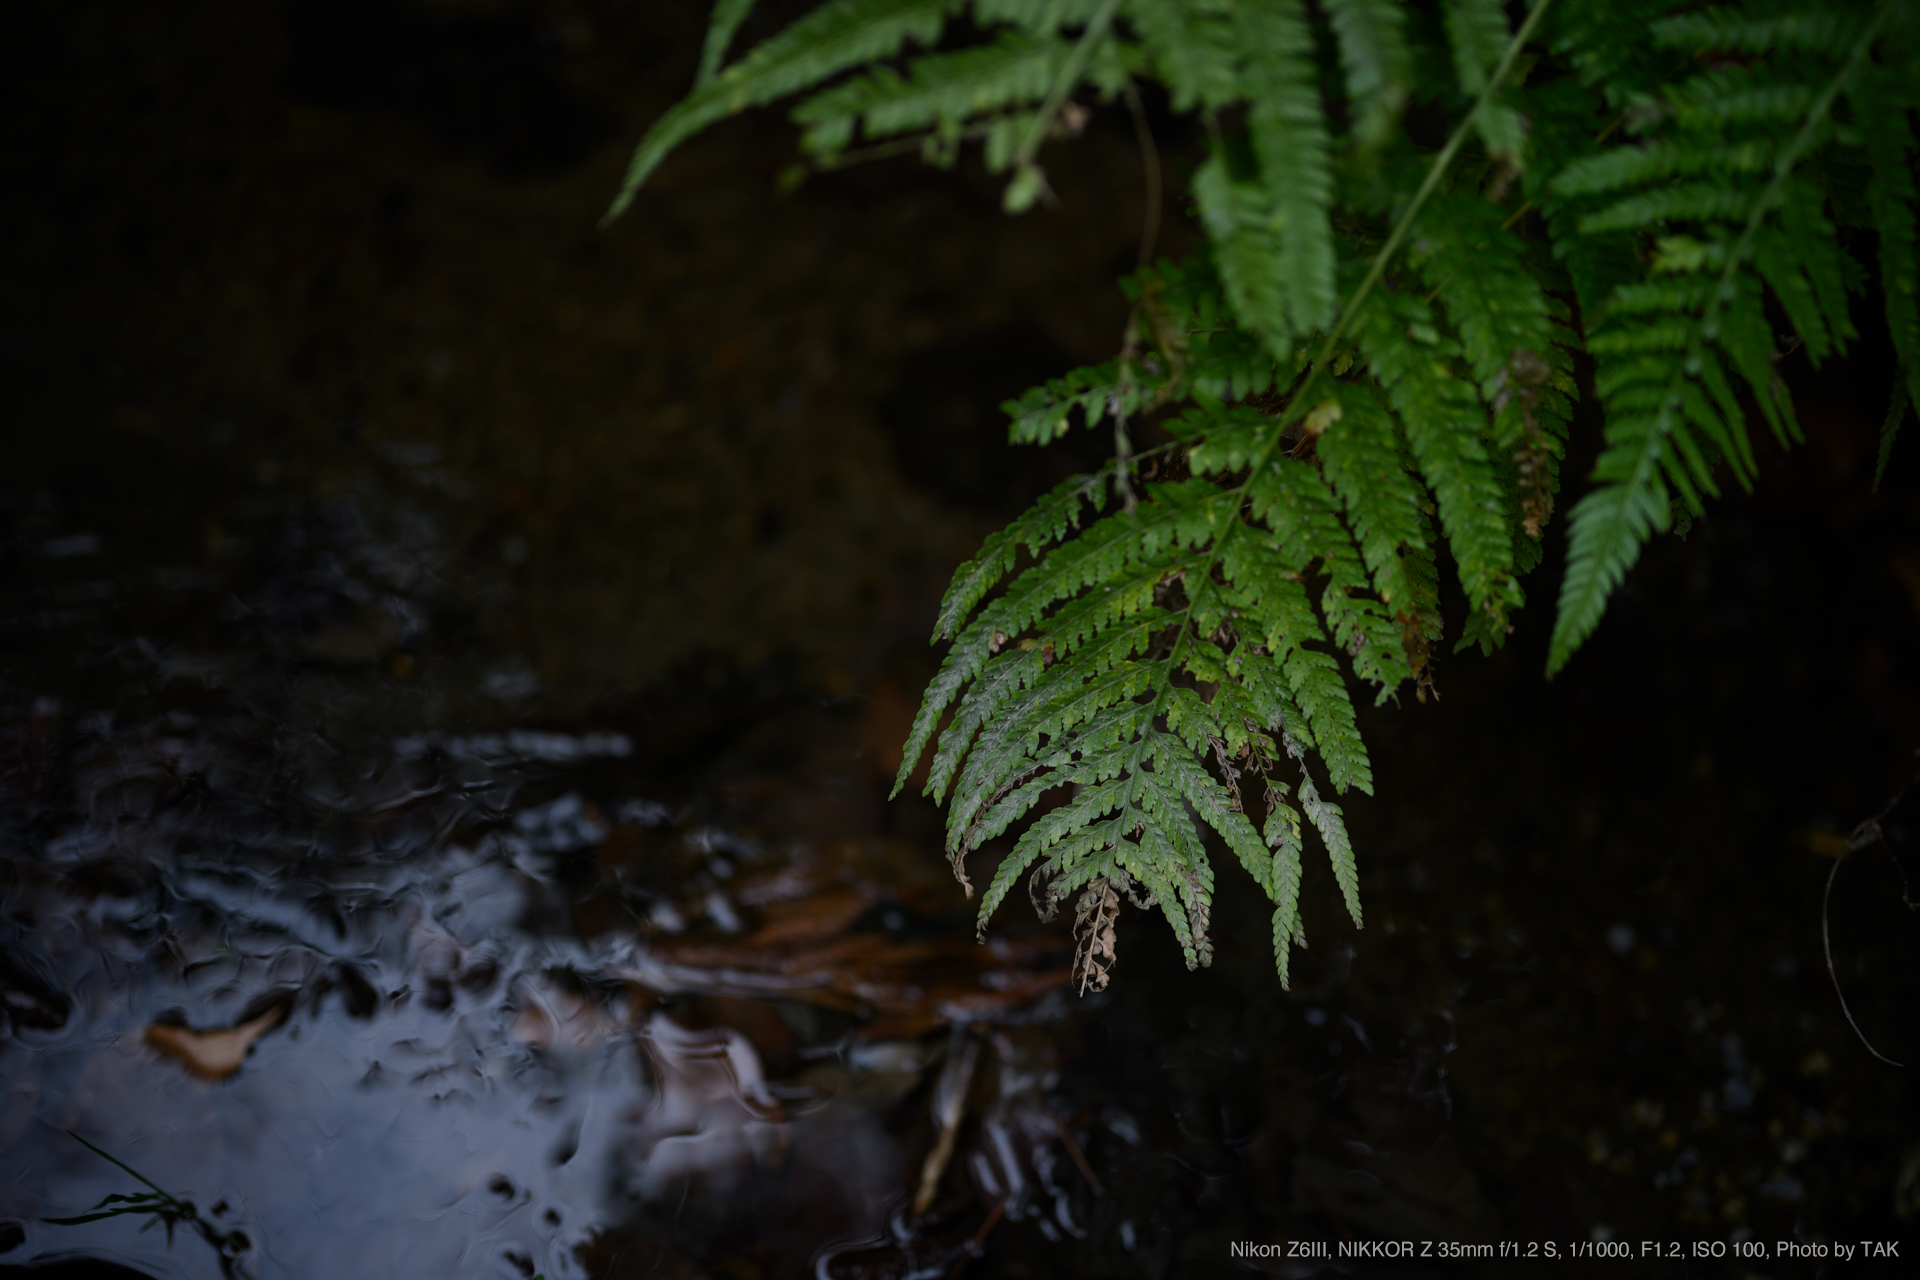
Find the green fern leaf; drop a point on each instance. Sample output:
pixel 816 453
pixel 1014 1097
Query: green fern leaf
pixel 1591 35
pixel 1365 460
pixel 1039 16
pixel 1332 826
pixel 1277 614
pixel 1215 806
pixel 1045 523
pixel 1479 32
pixel 1149 862
pixel 1442 416
pixel 1373 51
pixel 726 20
pixel 833 38
pixel 1829 30
pixel 1283 878
pixel 1890 197
pixel 1045 413
pixel 1062 834
pixel 1719 100
pixel 1288 128
pixel 1646 378
pixel 1509 332
pixel 1801 261
pixel 944 92
pixel 1244 229
pixel 1196 50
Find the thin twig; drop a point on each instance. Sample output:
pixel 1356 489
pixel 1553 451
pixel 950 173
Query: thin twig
pixel 1079 1158
pixel 123 1164
pixel 1150 173
pixel 949 1108
pixel 1871 832
pixel 1826 945
pixel 1518 214
pixel 979 1239
pixel 1868 832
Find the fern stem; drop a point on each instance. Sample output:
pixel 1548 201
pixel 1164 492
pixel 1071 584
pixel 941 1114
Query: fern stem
pixel 1064 82
pixel 1518 214
pixel 123 1164
pixel 1150 173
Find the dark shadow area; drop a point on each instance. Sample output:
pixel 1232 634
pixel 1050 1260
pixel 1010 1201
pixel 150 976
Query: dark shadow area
pixel 950 432
pixel 486 84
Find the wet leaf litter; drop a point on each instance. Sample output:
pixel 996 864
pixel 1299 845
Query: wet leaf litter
pixel 212 1055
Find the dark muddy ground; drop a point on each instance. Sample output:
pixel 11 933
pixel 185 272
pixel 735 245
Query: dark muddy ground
pixel 464 651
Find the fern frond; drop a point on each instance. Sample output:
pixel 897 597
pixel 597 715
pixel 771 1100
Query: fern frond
pixel 1287 126
pixel 1214 577
pixel 1444 423
pixel 839 35
pixel 1275 612
pixel 1803 264
pixel 1562 114
pixel 1590 37
pixel 1028 182
pixel 1046 522
pixel 1332 826
pixel 1272 237
pixel 1045 413
pixel 1366 461
pixel 1829 30
pixel 939 92
pixel 1512 334
pixel 1303 515
pixel 1243 226
pixel 1718 100
pixel 1195 50
pixel 1283 877
pixel 1656 383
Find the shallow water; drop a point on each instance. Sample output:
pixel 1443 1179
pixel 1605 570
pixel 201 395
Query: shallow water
pixel 468 649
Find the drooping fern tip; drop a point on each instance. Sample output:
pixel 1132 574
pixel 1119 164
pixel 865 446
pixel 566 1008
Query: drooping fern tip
pixel 1371 358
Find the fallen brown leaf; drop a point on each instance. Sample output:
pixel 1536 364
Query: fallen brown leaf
pixel 213 1055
